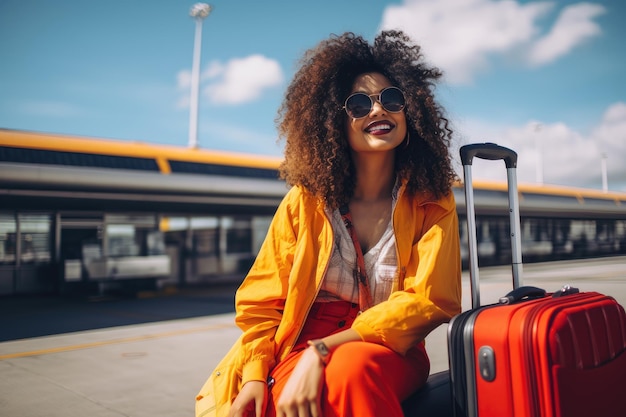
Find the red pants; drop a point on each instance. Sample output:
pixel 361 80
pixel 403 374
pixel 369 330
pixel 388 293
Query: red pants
pixel 362 379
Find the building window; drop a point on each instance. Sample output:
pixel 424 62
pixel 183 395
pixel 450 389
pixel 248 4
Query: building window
pixel 35 237
pixel 8 230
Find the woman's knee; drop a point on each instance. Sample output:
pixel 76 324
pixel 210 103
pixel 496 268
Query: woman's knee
pixel 363 365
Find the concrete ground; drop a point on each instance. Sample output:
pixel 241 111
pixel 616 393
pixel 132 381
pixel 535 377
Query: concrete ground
pixel 156 367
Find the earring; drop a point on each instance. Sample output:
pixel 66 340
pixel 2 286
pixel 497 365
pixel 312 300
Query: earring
pixel 408 139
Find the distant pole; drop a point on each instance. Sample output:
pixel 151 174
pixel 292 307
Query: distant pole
pixel 199 12
pixel 605 179
pixel 539 160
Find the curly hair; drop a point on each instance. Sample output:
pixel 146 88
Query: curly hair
pixel 311 118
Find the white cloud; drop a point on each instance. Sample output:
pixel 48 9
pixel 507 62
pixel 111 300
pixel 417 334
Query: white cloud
pixel 238 81
pixel 555 153
pixel 460 36
pixel 574 26
pixel 241 80
pixel 183 79
pixel 611 138
pixel 183 84
pixel 215 69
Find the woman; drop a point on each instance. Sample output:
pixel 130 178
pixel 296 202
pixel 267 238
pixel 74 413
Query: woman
pixel 361 260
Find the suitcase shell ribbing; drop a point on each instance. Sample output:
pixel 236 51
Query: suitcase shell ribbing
pixel 550 357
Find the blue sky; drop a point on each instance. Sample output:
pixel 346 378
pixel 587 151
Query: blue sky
pixel 545 78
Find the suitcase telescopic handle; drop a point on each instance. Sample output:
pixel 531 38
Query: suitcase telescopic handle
pixel 489 151
pixel 493 152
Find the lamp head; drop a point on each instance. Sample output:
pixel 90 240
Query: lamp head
pixel 200 10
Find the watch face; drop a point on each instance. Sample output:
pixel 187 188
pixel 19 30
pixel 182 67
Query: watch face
pixel 321 347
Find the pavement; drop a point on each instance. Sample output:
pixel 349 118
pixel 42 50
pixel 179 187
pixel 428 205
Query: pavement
pixel 41 315
pixel 150 356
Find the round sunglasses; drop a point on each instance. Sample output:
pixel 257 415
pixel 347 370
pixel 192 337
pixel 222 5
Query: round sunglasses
pixel 359 105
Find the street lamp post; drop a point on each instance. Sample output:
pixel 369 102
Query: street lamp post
pixel 539 159
pixel 605 179
pixel 199 12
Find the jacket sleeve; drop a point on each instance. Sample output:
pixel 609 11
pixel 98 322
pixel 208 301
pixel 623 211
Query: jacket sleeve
pixel 430 293
pixel 260 299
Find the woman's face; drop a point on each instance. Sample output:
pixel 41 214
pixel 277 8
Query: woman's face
pixel 380 130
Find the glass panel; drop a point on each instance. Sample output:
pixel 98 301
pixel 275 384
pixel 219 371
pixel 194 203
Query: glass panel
pixel 205 236
pixel 155 243
pixel 238 235
pixel 121 240
pixel 260 226
pixel 206 242
pixel 620 228
pixel 8 228
pixel 35 237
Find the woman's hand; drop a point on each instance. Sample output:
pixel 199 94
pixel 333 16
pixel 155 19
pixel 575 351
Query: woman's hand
pixel 250 401
pixel 301 395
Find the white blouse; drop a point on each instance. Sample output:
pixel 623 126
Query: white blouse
pixel 381 266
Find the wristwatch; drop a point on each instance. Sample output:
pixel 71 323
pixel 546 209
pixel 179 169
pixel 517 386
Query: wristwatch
pixel 321 350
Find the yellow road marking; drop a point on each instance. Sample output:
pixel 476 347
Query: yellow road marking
pixel 113 341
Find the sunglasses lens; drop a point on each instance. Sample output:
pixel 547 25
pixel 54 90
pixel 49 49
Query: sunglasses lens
pixel 392 99
pixel 358 105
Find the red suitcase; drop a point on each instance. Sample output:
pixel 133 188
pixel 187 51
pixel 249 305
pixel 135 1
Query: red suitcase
pixel 534 354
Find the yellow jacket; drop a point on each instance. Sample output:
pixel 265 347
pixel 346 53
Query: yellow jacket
pixel 273 301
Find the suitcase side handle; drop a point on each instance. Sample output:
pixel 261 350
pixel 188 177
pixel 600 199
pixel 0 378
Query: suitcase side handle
pixel 494 152
pixel 489 151
pixel 522 293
